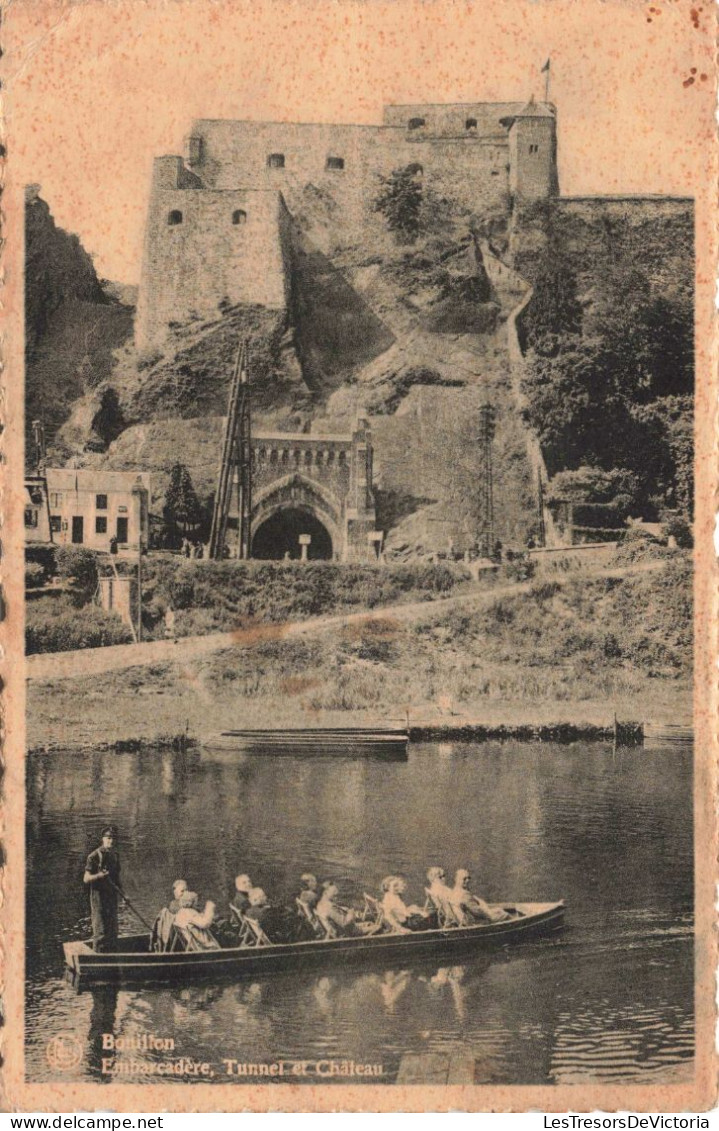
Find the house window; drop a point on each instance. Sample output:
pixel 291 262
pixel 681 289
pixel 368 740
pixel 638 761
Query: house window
pixel 101 502
pixel 276 160
pixel 174 217
pixel 101 524
pixel 534 149
pixel 56 498
pixel 416 123
pixel 335 163
pixel 239 216
pixel 30 517
pixel 470 124
pixel 56 523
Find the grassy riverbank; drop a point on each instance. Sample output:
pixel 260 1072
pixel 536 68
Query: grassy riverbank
pixel 573 650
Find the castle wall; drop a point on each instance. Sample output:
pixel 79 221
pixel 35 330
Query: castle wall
pixel 655 233
pixel 471 168
pixel 325 176
pixel 196 256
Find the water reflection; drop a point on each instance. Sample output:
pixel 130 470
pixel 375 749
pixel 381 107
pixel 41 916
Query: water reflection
pixel 607 831
pixel 102 1021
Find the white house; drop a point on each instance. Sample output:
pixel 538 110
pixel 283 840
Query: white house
pixel 92 508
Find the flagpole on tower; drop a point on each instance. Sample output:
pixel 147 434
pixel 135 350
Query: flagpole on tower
pixel 547 70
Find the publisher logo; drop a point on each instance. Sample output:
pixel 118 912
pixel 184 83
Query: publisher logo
pixel 64 1052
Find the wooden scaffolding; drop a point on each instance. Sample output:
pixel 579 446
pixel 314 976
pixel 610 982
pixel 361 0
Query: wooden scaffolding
pixel 235 467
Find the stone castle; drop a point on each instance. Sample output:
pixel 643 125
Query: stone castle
pixel 220 219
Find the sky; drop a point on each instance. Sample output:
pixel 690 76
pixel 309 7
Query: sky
pixel 95 89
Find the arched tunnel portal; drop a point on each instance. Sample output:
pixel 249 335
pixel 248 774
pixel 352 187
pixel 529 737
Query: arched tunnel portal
pixel 278 536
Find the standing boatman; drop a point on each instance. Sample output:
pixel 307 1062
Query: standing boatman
pixel 102 875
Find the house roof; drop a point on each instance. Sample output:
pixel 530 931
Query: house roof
pixel 94 479
pixel 532 109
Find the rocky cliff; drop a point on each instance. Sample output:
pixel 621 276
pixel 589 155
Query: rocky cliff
pixel 72 323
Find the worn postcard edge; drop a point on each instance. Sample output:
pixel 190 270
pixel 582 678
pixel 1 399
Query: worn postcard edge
pixel 16 1094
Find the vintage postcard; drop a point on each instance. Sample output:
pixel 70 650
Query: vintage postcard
pixel 359 712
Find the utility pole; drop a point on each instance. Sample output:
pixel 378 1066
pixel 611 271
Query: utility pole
pixel 487 424
pixel 38 437
pixel 236 460
pixel 244 470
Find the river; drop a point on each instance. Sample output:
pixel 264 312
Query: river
pixel 609 998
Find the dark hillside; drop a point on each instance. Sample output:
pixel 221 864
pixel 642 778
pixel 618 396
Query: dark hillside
pixel 72 324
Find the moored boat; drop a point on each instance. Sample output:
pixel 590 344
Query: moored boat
pixel 384 741
pixel 135 962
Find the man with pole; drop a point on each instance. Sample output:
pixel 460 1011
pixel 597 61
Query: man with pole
pixel 102 875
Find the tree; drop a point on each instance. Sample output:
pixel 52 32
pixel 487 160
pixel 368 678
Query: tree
pixel 182 507
pixel 609 379
pixel 400 202
pixel 78 565
pixel 669 322
pixel 554 310
pixel 617 488
pixel 671 421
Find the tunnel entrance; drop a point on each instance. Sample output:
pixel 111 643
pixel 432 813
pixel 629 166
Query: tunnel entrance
pixel 279 536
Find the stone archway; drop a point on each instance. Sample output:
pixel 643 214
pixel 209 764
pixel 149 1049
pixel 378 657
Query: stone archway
pixel 278 536
pixel 291 506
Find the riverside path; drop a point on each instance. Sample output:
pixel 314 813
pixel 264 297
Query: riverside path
pixel 51 666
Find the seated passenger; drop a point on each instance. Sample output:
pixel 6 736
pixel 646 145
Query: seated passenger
pixel 266 919
pixel 335 919
pixel 306 925
pixel 240 897
pixel 178 888
pixel 194 925
pixel 470 908
pixel 165 921
pixel 438 895
pixel 399 917
pixel 309 893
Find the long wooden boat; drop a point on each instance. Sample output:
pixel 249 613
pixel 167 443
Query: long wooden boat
pixel 390 741
pixel 134 962
pixel 668 734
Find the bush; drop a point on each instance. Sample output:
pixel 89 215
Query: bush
pixel 617 490
pixel 636 544
pixel 34 575
pixel 79 566
pixel 520 569
pixel 56 625
pixel 235 593
pixel 545 590
pixel 677 527
pixel 400 202
pixel 44 556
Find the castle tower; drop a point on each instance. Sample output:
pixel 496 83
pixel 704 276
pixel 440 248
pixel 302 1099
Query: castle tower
pixel 533 152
